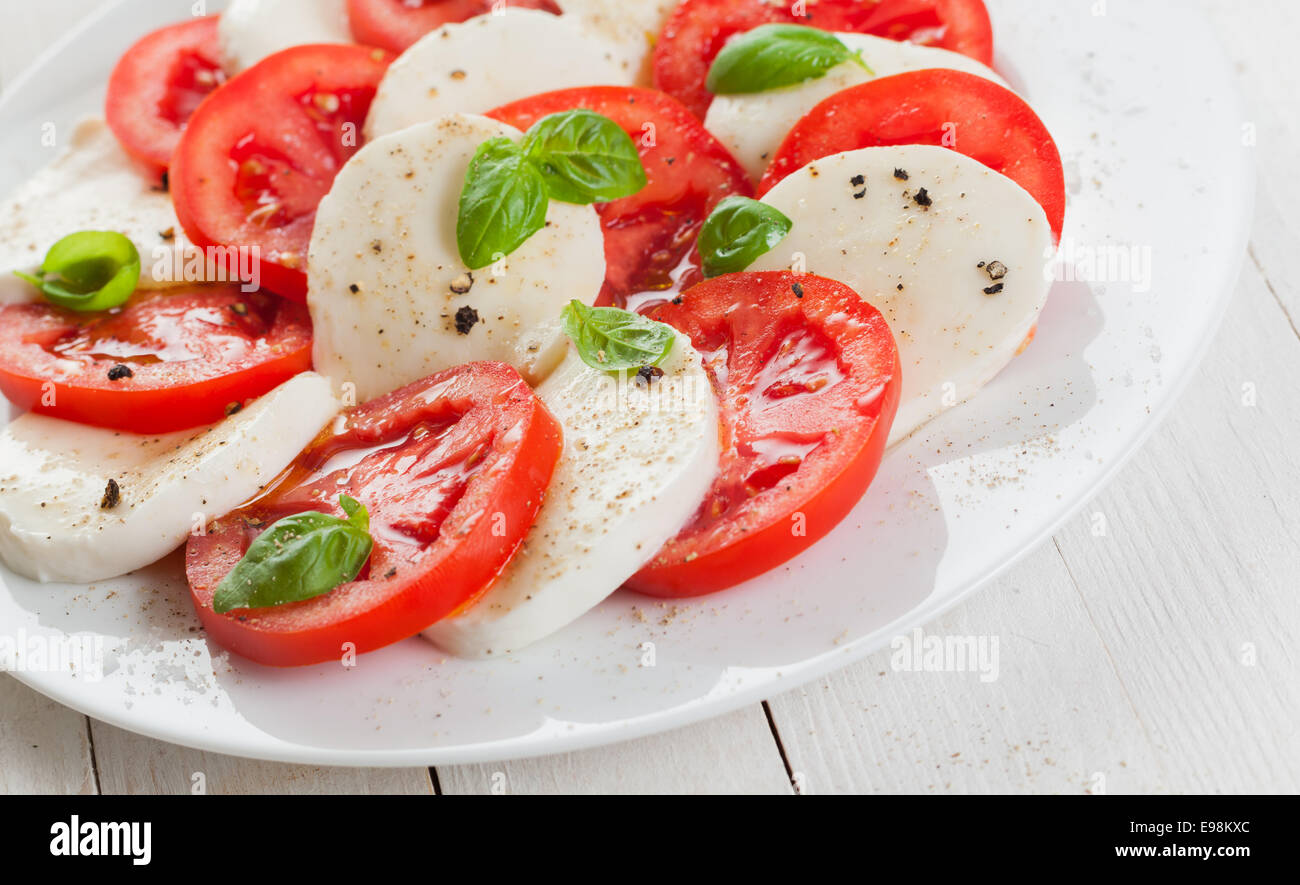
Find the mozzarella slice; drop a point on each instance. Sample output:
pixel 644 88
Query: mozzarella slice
pixel 93 185
pixel 55 475
pixel 385 269
pixel 491 60
pixel 250 30
pixel 921 265
pixel 637 461
pixel 632 27
pixel 753 126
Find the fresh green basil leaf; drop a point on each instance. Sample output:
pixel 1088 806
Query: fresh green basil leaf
pixel 615 340
pixel 502 205
pixel 299 557
pixel 585 157
pixel 773 56
pixel 737 232
pixel 90 270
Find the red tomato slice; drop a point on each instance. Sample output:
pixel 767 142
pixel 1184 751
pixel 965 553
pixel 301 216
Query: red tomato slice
pixel 808 381
pixel 156 86
pixel 194 354
pixel 650 236
pixel 989 122
pixel 260 154
pixel 698 29
pixel 452 469
pixel 396 24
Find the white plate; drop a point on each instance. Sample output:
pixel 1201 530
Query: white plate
pixel 1151 132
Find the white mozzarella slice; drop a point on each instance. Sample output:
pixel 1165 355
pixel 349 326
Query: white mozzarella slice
pixel 753 126
pixel 250 30
pixel 631 26
pixel 93 185
pixel 921 265
pixel 385 267
pixel 55 475
pixel 477 65
pixel 637 461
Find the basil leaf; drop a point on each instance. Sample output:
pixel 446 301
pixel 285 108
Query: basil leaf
pixel 90 270
pixel 503 203
pixel 615 340
pixel 773 56
pixel 299 557
pixel 585 157
pixel 737 232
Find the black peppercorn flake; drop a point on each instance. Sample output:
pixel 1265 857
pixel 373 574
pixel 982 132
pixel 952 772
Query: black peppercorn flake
pixel 923 198
pixel 120 371
pixel 466 319
pixel 798 290
pixel 647 374
pixel 112 496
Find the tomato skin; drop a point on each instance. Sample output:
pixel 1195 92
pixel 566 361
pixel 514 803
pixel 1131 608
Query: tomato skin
pixel 698 29
pixel 261 152
pixel 811 378
pixel 453 471
pixel 157 84
pixel 992 125
pixel 395 24
pixel 649 236
pixel 212 356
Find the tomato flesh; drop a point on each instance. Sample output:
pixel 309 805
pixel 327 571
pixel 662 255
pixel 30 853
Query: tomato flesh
pixel 698 29
pixel 397 24
pixel 261 153
pixel 193 354
pixel 650 237
pixel 970 114
pixel 157 85
pixel 808 382
pixel 452 470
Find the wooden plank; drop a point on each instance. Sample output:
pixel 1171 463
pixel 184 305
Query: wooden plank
pixel 44 746
pixel 1055 719
pixel 131 764
pixel 1267 71
pixel 729 755
pixel 1194 588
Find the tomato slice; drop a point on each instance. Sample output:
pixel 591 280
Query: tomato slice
pixel 970 114
pixel 396 24
pixel 698 29
pixel 193 355
pixel 808 381
pixel 452 469
pixel 260 154
pixel 650 237
pixel 156 86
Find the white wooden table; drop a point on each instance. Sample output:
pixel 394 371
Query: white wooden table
pixel 1161 657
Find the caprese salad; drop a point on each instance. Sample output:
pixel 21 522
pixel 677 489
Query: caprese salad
pixel 452 318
